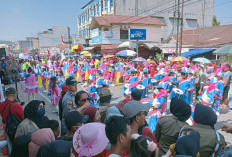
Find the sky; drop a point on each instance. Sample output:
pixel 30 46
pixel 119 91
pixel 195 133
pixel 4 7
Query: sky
pixel 25 18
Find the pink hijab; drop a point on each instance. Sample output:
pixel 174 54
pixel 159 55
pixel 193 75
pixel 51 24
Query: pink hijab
pixel 39 138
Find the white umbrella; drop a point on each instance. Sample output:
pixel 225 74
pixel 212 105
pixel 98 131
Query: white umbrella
pixel 23 56
pixel 126 53
pixel 127 44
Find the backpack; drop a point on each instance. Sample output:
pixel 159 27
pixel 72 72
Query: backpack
pixel 12 123
pixel 219 144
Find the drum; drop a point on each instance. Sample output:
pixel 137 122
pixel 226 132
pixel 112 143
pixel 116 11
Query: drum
pixel 153 81
pixel 178 92
pixel 140 87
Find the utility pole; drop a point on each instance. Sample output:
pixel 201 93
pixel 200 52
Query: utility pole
pixel 178 19
pixel 136 7
pixel 181 27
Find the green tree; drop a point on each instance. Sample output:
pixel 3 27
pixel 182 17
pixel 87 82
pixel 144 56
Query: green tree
pixel 215 22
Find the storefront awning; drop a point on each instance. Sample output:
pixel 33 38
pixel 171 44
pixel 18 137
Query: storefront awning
pixel 195 52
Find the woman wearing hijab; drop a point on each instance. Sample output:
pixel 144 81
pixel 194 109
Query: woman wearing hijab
pixel 34 118
pixel 168 127
pixel 39 138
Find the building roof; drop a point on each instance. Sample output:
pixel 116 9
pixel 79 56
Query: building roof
pixel 109 47
pixel 207 37
pixel 108 20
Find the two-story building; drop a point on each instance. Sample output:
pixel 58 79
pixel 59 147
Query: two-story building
pixel 108 31
pixel 197 14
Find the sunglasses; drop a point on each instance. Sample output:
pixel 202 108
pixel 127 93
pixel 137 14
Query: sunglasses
pixel 144 113
pixel 84 100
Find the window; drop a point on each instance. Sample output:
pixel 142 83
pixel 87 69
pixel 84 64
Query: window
pixel 174 21
pixel 192 23
pixel 106 6
pixel 79 20
pixel 106 29
pixel 101 7
pixel 123 34
pixel 88 16
pixel 111 4
pixel 94 11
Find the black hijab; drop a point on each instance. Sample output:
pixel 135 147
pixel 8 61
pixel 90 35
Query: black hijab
pixel 180 109
pixel 188 145
pixel 57 148
pixel 31 113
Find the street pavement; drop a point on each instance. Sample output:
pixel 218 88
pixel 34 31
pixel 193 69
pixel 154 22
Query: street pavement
pixel 225 117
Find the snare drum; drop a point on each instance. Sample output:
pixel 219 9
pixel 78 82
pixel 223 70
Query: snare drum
pixel 140 87
pixel 153 81
pixel 178 93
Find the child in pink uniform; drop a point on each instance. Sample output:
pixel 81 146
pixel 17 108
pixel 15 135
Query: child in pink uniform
pixel 55 93
pixel 31 86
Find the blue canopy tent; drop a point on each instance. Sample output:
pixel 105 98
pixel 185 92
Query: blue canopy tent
pixel 195 52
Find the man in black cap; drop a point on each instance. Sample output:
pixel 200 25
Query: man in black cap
pixel 68 102
pixel 168 127
pixel 16 109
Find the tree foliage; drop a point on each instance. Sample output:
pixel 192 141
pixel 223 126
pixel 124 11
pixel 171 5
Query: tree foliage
pixel 215 22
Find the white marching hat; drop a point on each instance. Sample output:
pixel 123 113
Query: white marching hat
pixel 127 85
pixel 206 99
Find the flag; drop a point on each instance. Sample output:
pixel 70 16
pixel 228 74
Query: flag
pixel 48 53
pixel 118 74
pixel 86 71
pixel 78 74
pixel 62 39
pixel 66 74
pixel 46 85
pixel 40 84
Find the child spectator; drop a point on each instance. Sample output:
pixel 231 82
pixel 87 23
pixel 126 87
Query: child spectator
pixel 54 125
pixel 31 86
pixel 55 93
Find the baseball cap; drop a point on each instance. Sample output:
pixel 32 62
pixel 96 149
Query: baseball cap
pixel 11 90
pixel 71 81
pixel 132 108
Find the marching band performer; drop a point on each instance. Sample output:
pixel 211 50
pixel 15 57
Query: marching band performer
pixel 160 99
pixel 146 82
pixel 184 85
pixel 192 81
pixel 172 80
